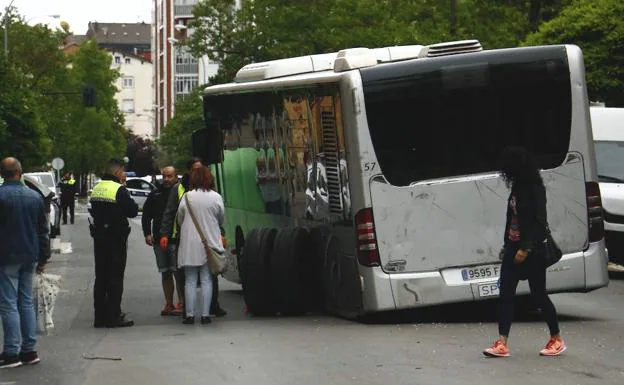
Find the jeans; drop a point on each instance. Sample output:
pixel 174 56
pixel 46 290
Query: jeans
pixel 190 288
pixel 511 274
pixel 19 321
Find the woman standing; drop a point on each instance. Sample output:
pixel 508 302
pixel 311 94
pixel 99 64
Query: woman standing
pixel 523 251
pixel 207 207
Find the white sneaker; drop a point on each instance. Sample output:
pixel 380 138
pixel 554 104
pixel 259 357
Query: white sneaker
pixel 615 267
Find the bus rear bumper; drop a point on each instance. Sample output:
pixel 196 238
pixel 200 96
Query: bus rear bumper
pixel 576 272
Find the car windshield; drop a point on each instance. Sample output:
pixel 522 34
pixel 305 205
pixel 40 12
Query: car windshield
pixel 610 159
pixel 45 179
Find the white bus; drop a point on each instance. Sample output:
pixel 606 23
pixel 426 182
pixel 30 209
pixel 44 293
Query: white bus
pixel 366 180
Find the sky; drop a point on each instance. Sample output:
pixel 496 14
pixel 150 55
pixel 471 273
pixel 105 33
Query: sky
pixel 78 13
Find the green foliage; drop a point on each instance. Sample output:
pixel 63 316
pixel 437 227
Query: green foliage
pixel 175 140
pixel 597 26
pixel 41 111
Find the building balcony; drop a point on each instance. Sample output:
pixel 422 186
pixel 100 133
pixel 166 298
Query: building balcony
pixel 184 9
pixel 187 68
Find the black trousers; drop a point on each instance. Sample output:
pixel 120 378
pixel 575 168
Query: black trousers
pixel 534 270
pixel 68 205
pixel 111 252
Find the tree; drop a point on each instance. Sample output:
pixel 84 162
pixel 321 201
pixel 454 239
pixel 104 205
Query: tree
pixel 91 66
pixel 597 26
pixel 22 133
pixel 175 139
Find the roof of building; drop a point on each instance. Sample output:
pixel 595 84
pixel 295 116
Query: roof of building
pixel 120 33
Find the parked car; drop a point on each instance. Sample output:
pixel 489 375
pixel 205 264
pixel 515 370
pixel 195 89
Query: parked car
pixel 52 203
pixel 139 189
pixel 47 180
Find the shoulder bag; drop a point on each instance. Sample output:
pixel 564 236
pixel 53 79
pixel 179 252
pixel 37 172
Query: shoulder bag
pixel 216 262
pixel 552 252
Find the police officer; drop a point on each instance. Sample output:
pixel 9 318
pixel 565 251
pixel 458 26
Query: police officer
pixel 111 205
pixel 68 192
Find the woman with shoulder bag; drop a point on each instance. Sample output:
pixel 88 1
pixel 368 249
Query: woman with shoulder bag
pixel 200 217
pixel 525 247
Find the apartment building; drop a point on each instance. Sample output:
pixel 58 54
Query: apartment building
pixel 176 71
pixel 129 45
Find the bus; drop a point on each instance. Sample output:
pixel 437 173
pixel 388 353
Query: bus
pixel 366 180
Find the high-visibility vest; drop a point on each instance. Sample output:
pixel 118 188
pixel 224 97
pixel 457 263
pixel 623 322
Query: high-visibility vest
pixel 181 191
pixel 105 191
pixel 71 182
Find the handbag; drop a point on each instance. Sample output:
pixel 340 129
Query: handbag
pixel 552 252
pixel 45 291
pixel 216 262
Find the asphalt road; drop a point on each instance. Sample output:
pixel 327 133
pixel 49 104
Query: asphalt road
pixel 441 346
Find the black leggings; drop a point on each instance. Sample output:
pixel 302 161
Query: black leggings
pixel 511 274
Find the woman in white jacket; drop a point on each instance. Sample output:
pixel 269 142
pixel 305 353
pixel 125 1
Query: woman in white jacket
pixel 207 206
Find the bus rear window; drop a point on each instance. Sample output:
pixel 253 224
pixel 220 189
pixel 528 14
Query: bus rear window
pixel 452 116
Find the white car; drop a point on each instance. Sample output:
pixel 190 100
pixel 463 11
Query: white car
pixel 48 180
pixel 139 189
pixel 54 211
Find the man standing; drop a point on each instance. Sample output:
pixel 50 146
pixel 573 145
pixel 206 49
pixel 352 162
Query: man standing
pixel 169 229
pixel 166 258
pixel 68 193
pixel 111 205
pixel 25 246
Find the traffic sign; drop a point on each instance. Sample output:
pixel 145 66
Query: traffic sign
pixel 58 163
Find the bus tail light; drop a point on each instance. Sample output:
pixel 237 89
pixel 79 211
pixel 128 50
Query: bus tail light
pixel 594 212
pixel 366 239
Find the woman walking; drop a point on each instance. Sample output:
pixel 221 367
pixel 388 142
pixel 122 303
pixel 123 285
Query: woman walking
pixel 206 205
pixel 523 251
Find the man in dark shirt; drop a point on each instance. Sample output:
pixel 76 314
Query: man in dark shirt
pixel 24 247
pixel 166 259
pixel 111 206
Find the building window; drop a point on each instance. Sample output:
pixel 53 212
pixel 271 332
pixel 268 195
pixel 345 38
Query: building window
pixel 128 82
pixel 127 106
pixel 128 60
pixel 185 84
pixel 117 59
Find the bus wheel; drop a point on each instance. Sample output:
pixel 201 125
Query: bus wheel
pixel 255 272
pixel 239 246
pixel 314 268
pixel 331 275
pixel 288 272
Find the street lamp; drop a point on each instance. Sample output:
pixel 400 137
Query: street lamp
pixel 54 16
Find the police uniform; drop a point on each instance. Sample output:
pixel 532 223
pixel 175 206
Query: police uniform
pixel 111 205
pixel 68 192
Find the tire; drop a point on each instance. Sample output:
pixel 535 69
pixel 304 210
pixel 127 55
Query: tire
pixel 288 271
pixel 255 272
pixel 313 268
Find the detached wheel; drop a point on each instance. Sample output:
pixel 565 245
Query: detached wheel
pixel 255 272
pixel 292 251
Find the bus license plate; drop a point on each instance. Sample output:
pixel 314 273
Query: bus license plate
pixel 480 272
pixel 489 289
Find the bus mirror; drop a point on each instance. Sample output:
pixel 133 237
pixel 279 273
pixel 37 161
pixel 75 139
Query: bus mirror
pixel 207 144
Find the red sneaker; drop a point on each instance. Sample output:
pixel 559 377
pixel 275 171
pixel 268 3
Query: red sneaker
pixel 167 310
pixel 499 349
pixel 554 347
pixel 178 309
